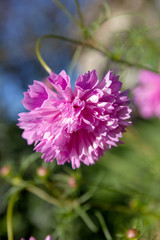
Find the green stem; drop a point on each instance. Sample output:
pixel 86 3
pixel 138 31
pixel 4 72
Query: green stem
pixel 43 195
pixel 9 216
pixel 119 60
pixel 86 219
pixel 79 13
pixel 103 225
pixel 103 51
pixel 104 187
pixel 68 14
pixel 125 209
pixel 43 63
pixel 74 58
pixel 77 42
pixel 132 64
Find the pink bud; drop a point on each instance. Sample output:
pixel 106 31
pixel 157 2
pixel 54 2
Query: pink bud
pixel 32 238
pixel 72 182
pixel 131 233
pixel 49 237
pixel 42 171
pixel 5 170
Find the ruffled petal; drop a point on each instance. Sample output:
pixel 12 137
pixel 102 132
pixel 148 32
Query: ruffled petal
pixel 61 84
pixel 36 95
pixel 85 83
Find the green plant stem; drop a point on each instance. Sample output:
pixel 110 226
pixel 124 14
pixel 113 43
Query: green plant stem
pixel 42 194
pixel 79 13
pixel 74 58
pixel 103 225
pixel 125 209
pixel 38 45
pixel 42 62
pixel 68 14
pixel 91 45
pixel 86 219
pixel 104 187
pixel 9 216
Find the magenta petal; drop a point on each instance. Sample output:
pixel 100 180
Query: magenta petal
pixel 36 95
pixel 61 84
pixel 85 83
pixel 75 127
pixel 147 94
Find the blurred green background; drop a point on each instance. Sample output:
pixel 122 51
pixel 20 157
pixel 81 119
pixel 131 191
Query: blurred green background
pixel 122 190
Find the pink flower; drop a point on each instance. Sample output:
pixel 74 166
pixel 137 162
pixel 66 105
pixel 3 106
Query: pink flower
pixel 77 126
pixel 147 94
pixel 46 238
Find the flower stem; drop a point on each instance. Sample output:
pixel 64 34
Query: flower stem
pixel 43 63
pixel 89 44
pixel 103 225
pixel 79 13
pixel 86 219
pixel 74 58
pixel 9 216
pixel 43 195
pixel 65 10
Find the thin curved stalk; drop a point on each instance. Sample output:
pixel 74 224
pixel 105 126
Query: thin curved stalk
pixel 74 58
pixel 42 62
pixel 91 45
pixel 79 13
pixel 38 45
pixel 103 225
pixel 85 217
pixel 42 194
pixel 68 14
pixel 9 216
pixel 132 64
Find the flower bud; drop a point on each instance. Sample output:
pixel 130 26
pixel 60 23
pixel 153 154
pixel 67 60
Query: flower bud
pixel 32 238
pixel 42 172
pixel 131 233
pixel 5 171
pixel 49 237
pixel 72 182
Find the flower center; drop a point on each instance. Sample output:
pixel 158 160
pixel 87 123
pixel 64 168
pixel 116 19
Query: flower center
pixel 78 105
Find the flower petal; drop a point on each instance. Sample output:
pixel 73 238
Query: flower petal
pixel 35 96
pixel 61 84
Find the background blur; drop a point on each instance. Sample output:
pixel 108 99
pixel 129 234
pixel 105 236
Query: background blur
pixel 123 187
pixel 21 24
